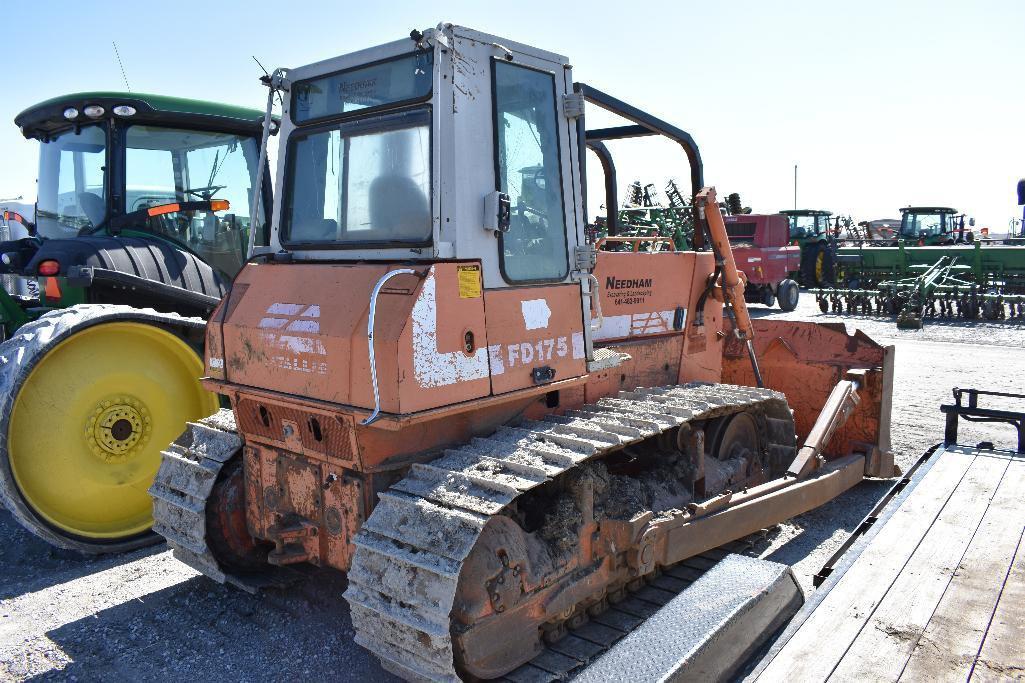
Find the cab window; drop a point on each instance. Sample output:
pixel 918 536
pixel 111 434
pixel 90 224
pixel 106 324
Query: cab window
pixel 72 194
pixel 359 184
pixel 168 165
pixel 528 169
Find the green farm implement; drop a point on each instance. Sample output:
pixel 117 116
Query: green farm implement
pixel 965 281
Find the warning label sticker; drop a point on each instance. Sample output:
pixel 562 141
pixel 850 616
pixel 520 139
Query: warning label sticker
pixel 469 281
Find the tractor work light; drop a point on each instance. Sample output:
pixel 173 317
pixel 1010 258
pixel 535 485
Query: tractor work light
pixel 49 267
pixel 163 209
pixel 71 113
pixel 124 110
pixel 93 111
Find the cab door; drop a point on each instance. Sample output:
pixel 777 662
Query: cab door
pixel 535 323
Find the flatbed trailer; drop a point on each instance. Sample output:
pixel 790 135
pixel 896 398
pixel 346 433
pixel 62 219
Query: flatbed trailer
pixel 932 584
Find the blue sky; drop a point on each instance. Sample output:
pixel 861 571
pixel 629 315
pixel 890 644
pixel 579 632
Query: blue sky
pixel 881 104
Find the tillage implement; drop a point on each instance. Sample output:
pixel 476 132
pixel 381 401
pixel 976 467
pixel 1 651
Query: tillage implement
pixel 142 219
pixel 439 387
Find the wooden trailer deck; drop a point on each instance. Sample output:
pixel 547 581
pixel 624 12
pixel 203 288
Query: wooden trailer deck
pixel 935 590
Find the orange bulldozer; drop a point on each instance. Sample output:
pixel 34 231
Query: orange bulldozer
pixel 439 386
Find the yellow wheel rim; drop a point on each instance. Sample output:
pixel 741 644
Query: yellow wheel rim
pixel 89 423
pixel 819 261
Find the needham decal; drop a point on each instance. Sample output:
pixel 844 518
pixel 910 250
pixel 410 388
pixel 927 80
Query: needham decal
pixel 627 291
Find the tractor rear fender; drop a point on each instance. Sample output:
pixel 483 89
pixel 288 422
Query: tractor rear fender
pixel 806 361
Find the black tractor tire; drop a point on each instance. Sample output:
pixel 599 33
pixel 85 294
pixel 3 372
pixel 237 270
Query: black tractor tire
pixel 787 293
pixel 809 256
pixel 827 258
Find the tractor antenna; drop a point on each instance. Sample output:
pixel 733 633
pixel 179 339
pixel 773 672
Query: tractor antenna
pixel 262 67
pixel 118 55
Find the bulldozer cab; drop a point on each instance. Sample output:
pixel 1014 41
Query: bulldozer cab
pixel 452 157
pixel 107 155
pixel 373 148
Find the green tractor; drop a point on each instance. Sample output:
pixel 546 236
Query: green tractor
pixel 144 208
pixel 929 226
pixel 812 230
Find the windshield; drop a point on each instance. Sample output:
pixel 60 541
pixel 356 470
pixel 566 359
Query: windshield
pixel 802 226
pixel 917 224
pixel 361 183
pixel 167 165
pixel 72 182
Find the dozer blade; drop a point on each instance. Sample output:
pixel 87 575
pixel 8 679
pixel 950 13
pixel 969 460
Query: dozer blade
pixel 805 361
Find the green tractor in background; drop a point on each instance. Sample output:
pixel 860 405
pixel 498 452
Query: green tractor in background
pixel 812 230
pixel 143 213
pixel 929 226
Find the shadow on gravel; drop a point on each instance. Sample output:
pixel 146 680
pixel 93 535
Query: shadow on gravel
pixel 29 564
pixel 199 630
pixel 818 525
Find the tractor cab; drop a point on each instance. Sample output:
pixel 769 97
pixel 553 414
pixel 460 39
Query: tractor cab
pixel 810 229
pixel 143 190
pixel 929 225
pixel 807 225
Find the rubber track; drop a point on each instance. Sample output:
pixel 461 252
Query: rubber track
pixel 409 553
pixel 18 356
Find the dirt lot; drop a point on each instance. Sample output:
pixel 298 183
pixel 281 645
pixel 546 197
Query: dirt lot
pixel 144 616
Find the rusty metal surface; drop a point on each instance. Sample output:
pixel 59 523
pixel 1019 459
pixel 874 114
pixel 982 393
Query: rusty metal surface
pixel 805 361
pixel 189 469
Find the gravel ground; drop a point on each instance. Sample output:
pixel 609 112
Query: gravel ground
pixel 144 616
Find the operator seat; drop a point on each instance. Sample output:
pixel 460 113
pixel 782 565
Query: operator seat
pixel 93 207
pixel 398 208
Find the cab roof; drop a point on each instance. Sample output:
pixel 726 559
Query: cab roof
pixel 46 118
pixel 928 209
pixel 806 212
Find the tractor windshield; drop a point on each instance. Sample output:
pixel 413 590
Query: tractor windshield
pixel 916 225
pixel 168 165
pixel 803 226
pixel 72 193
